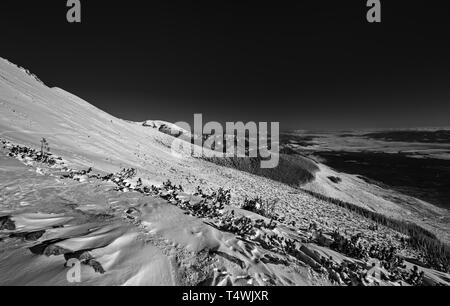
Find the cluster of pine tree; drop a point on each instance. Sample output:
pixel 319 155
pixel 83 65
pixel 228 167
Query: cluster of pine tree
pixel 437 254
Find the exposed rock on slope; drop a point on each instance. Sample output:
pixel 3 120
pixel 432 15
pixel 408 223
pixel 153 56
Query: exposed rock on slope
pixel 168 128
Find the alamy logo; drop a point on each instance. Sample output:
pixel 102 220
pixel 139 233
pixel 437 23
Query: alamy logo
pixel 235 140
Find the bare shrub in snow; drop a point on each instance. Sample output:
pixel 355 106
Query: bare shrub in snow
pixel 257 205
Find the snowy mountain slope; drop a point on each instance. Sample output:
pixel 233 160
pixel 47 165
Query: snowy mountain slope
pixel 85 136
pixel 353 189
pixel 135 238
pixel 89 137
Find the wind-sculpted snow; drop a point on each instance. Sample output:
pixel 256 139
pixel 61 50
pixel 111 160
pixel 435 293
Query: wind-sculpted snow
pixel 126 240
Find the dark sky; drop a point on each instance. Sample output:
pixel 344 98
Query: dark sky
pixel 308 64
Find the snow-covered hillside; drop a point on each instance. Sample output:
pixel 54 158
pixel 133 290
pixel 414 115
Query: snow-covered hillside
pixel 139 237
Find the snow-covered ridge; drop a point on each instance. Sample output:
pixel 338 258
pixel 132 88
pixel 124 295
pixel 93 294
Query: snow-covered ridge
pixel 23 70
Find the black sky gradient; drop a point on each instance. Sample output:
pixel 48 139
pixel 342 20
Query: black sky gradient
pixel 308 64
